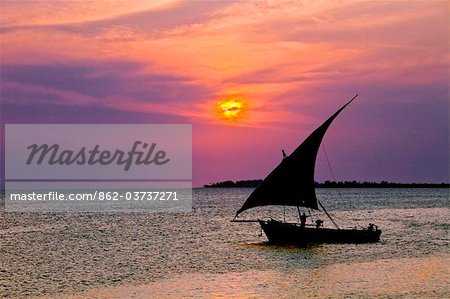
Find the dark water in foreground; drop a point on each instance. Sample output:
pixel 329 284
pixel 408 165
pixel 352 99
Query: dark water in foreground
pixel 202 254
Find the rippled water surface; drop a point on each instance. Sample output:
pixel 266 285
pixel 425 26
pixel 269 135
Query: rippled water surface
pixel 202 254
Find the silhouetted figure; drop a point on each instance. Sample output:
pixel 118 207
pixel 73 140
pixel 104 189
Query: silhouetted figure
pixel 284 154
pixel 302 220
pixel 319 223
pixel 371 227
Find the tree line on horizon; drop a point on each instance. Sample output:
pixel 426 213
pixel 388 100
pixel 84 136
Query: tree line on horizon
pixel 331 184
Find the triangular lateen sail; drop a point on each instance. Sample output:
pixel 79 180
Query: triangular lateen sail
pixel 291 183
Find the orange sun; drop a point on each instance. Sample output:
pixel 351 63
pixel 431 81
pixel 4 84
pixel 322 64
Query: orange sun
pixel 231 109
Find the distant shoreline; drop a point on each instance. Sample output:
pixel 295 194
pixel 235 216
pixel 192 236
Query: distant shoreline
pixel 330 184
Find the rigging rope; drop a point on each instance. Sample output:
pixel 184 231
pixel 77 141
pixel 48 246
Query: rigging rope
pixel 334 178
pixel 328 162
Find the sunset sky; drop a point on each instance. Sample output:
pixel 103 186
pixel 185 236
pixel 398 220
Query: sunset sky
pixel 252 77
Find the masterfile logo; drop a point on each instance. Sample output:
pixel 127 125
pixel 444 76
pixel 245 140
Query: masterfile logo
pixel 52 155
pixel 98 168
pixel 98 152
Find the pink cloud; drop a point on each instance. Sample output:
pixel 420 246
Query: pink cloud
pixel 293 62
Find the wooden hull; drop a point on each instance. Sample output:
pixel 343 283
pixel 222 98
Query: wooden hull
pixel 291 233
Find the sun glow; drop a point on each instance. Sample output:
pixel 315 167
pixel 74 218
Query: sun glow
pixel 231 109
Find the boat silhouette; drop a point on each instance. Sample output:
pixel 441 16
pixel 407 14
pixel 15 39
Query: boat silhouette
pixel 291 183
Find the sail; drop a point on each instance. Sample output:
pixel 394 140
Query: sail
pixel 291 183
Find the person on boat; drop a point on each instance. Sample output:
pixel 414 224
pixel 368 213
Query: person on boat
pixel 284 154
pixel 319 223
pixel 302 220
pixel 371 226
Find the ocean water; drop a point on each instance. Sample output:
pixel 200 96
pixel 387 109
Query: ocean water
pixel 203 255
